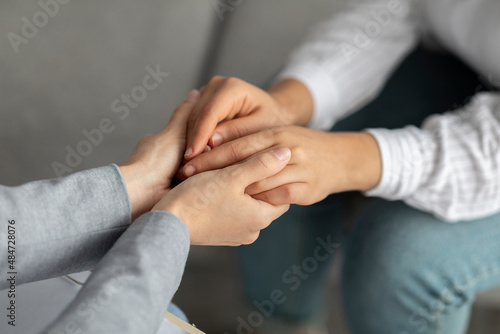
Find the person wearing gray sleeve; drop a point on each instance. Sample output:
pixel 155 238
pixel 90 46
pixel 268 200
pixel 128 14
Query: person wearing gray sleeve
pixel 139 275
pixel 131 287
pixel 64 225
pixel 88 211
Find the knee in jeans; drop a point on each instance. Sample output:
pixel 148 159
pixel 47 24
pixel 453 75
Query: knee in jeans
pixel 393 249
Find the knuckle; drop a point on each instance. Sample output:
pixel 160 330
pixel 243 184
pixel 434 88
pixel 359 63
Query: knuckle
pixel 264 162
pixel 280 133
pixel 288 194
pixel 233 152
pixel 214 80
pixel 207 109
pixel 263 222
pixel 264 137
pixel 236 151
pixel 251 238
pixel 299 153
pixel 148 137
pixel 240 131
pixel 232 81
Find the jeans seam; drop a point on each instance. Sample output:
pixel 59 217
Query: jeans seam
pixel 460 289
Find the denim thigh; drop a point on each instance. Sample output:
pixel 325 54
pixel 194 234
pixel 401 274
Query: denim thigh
pixel 406 272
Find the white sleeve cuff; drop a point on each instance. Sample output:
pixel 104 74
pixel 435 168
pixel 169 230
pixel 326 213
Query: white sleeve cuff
pixel 323 91
pixel 402 162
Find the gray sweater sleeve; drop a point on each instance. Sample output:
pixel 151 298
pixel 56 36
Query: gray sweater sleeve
pixel 131 287
pixel 63 225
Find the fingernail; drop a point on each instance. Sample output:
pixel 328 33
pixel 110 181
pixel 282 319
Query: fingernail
pixel 193 96
pixel 189 151
pixel 207 149
pixel 189 171
pixel 216 139
pixel 282 153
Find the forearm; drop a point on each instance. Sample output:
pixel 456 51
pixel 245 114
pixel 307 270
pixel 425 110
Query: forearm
pixel 354 160
pixel 134 283
pixel 343 65
pixel 64 225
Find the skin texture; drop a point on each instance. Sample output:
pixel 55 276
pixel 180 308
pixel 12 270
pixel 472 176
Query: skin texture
pixel 245 109
pixel 213 205
pixel 321 164
pixel 149 170
pixel 216 208
pixel 237 120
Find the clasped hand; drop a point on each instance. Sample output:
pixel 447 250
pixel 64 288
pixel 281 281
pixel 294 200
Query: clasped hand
pixel 258 161
pixel 239 120
pixel 213 205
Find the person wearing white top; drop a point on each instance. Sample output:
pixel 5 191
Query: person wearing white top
pixel 406 270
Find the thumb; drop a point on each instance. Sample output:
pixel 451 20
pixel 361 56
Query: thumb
pixel 181 114
pixel 260 166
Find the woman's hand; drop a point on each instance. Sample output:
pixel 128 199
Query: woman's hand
pixel 216 209
pixel 230 108
pixel 156 158
pixel 321 164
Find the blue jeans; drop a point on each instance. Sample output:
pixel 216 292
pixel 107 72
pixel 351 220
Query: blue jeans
pixel 404 270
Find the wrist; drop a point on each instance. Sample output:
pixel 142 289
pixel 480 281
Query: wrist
pixel 359 159
pixel 295 99
pixel 141 196
pixel 173 206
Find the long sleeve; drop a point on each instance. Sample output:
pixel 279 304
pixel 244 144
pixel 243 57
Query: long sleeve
pixel 346 60
pixel 63 225
pixel 450 167
pixel 131 287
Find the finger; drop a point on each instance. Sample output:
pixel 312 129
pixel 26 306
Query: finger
pixel 269 213
pixel 259 167
pixel 182 113
pixel 208 112
pixel 291 174
pixel 237 128
pixel 222 99
pixel 230 153
pixel 287 194
pixel 280 210
pixel 180 175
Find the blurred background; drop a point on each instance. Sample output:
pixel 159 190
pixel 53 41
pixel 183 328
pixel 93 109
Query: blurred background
pixel 84 58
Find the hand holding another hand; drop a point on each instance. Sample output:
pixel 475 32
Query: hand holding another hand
pixel 230 108
pixel 215 207
pixel 149 170
pixel 322 163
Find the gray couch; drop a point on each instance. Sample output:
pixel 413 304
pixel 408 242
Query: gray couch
pixel 67 74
